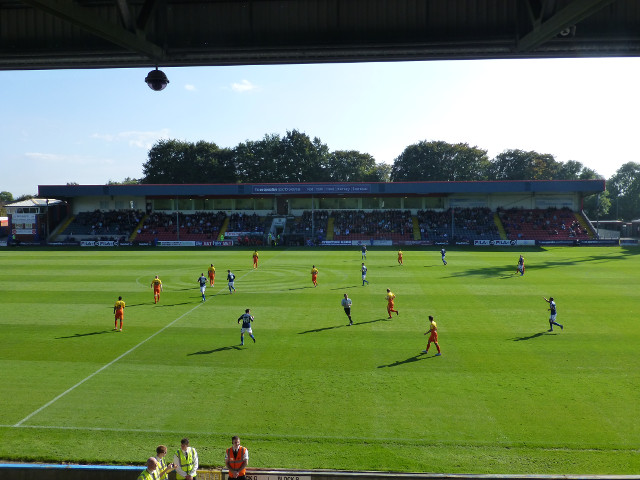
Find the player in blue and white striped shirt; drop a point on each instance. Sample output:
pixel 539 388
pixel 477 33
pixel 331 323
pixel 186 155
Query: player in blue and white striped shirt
pixel 364 275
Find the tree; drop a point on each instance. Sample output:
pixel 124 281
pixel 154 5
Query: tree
pixel 353 166
pixel 624 187
pixel 292 158
pixel 574 170
pixel 597 206
pixel 24 197
pixel 440 161
pixel 173 161
pixel 126 181
pixel 6 197
pixel 303 159
pixel 521 165
pixel 257 161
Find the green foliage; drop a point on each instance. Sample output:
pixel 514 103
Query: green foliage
pixel 624 187
pixel 521 165
pixel 440 161
pixel 597 206
pixel 26 196
pixel 353 166
pixel 292 158
pixel 173 161
pixel 6 197
pixel 506 396
pixel 126 181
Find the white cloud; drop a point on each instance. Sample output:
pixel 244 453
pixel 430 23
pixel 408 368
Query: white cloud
pixel 134 138
pixel 243 86
pixel 191 88
pixel 57 159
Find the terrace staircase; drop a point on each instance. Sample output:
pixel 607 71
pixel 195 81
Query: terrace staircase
pixel 61 228
pixel 499 226
pixel 134 234
pixel 223 228
pixel 416 228
pixel 330 228
pixel 585 224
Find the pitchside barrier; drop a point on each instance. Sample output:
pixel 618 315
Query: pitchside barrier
pixel 21 471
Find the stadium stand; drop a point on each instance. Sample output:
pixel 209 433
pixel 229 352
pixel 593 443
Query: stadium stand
pixel 539 224
pixel 252 227
pixel 110 225
pixel 463 224
pixel 303 226
pixel 195 226
pixel 395 225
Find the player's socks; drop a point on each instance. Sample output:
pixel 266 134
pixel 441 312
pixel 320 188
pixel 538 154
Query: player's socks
pixel 254 338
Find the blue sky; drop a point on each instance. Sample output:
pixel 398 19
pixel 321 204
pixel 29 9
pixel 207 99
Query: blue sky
pixel 92 126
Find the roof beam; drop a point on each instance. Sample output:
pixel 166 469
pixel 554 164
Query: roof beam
pixel 570 15
pixel 81 17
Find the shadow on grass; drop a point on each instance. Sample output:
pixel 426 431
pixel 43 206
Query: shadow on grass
pixel 530 337
pixel 78 335
pixel 130 305
pixel 173 304
pixel 415 358
pixel 501 271
pixel 317 330
pixel 344 288
pixel 216 350
pixel 301 288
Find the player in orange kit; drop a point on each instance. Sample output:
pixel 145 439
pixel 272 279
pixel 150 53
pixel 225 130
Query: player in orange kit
pixel 212 275
pixel 156 283
pixel 433 336
pixel 391 302
pixel 118 311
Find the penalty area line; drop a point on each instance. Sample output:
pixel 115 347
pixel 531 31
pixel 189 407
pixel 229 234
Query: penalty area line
pixel 51 402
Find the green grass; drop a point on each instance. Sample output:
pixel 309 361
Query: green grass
pixel 506 396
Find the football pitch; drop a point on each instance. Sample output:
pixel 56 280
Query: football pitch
pixel 505 397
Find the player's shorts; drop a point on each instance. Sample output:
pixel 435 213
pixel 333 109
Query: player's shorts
pixel 212 276
pixel 246 330
pixel 390 305
pixel 314 278
pixel 552 318
pixel 202 289
pixel 119 314
pixel 231 283
pixel 347 310
pixel 433 337
pixel 156 290
pixel 364 276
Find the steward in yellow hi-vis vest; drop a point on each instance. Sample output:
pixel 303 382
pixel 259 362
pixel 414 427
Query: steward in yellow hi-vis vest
pixel 186 461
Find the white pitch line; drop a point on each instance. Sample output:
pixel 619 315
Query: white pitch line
pixel 51 402
pixel 102 368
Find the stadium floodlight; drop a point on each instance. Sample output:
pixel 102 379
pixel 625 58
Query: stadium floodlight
pixel 157 80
